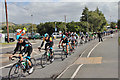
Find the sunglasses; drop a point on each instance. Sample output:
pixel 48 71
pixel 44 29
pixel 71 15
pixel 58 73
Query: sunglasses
pixel 19 39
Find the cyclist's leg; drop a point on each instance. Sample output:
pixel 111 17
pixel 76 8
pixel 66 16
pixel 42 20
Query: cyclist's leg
pixel 46 45
pixel 74 44
pixel 62 45
pixel 28 56
pixel 21 55
pixel 51 44
pixel 67 47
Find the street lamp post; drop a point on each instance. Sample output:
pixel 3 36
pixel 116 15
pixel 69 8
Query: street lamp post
pixel 55 27
pixel 32 24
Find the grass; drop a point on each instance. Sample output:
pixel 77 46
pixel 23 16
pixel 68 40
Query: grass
pixel 7 43
pixel 119 40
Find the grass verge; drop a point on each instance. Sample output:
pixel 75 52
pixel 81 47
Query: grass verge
pixel 7 43
pixel 119 40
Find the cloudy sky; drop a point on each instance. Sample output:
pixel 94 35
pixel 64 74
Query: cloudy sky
pixel 20 11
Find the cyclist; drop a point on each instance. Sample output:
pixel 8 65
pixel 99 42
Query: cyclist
pixel 76 35
pixel 49 42
pixel 86 37
pixel 60 40
pixel 27 49
pixel 65 40
pixel 73 40
pixel 82 39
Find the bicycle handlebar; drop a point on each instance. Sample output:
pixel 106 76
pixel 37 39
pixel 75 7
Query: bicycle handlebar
pixel 15 57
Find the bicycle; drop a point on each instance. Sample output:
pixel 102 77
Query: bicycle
pixel 20 68
pixel 73 48
pixel 64 52
pixel 46 57
pixel 76 43
pixel 82 41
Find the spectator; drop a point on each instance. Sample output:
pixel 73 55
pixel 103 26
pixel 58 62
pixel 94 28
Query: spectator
pixel 99 36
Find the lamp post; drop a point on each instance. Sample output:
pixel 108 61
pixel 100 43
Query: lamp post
pixel 32 24
pixel 55 27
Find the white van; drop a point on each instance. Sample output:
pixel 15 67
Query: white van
pixel 56 35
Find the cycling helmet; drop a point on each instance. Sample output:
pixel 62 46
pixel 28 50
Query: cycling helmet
pixel 18 37
pixel 72 34
pixel 63 36
pixel 46 35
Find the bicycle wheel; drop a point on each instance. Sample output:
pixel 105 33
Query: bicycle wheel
pixel 15 72
pixel 43 60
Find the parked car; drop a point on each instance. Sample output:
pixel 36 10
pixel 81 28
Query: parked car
pixel 56 35
pixel 36 36
pixel 10 39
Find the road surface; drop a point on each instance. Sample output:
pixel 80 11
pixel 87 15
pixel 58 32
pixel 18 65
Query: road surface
pixel 91 60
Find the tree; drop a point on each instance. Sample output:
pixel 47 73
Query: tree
pixel 118 24
pixel 112 25
pixel 84 14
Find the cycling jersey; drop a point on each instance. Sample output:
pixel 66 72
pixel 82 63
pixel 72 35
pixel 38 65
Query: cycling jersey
pixel 76 36
pixel 86 35
pixel 65 41
pixel 73 38
pixel 27 47
pixel 49 40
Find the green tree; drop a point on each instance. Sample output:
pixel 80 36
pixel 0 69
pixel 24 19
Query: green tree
pixel 84 14
pixel 112 25
pixel 118 24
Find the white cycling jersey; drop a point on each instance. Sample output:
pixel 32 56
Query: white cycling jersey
pixel 73 38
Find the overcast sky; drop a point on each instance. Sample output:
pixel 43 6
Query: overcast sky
pixel 20 11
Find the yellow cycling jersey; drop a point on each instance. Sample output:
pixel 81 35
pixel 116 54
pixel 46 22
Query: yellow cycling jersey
pixel 48 40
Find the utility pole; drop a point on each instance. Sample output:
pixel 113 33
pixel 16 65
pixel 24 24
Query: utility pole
pixel 7 21
pixel 110 19
pixel 65 23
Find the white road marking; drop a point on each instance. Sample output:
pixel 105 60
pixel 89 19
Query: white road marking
pixel 70 65
pixel 64 71
pixel 92 49
pixel 75 73
pixel 7 65
pixel 6 47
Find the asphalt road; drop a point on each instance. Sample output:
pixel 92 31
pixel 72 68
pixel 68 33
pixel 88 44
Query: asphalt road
pixel 105 66
pixel 91 60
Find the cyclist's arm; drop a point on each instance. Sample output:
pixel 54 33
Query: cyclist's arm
pixel 69 44
pixel 60 41
pixel 17 47
pixel 42 42
pixel 70 39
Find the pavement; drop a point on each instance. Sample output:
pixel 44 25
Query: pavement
pixel 91 60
